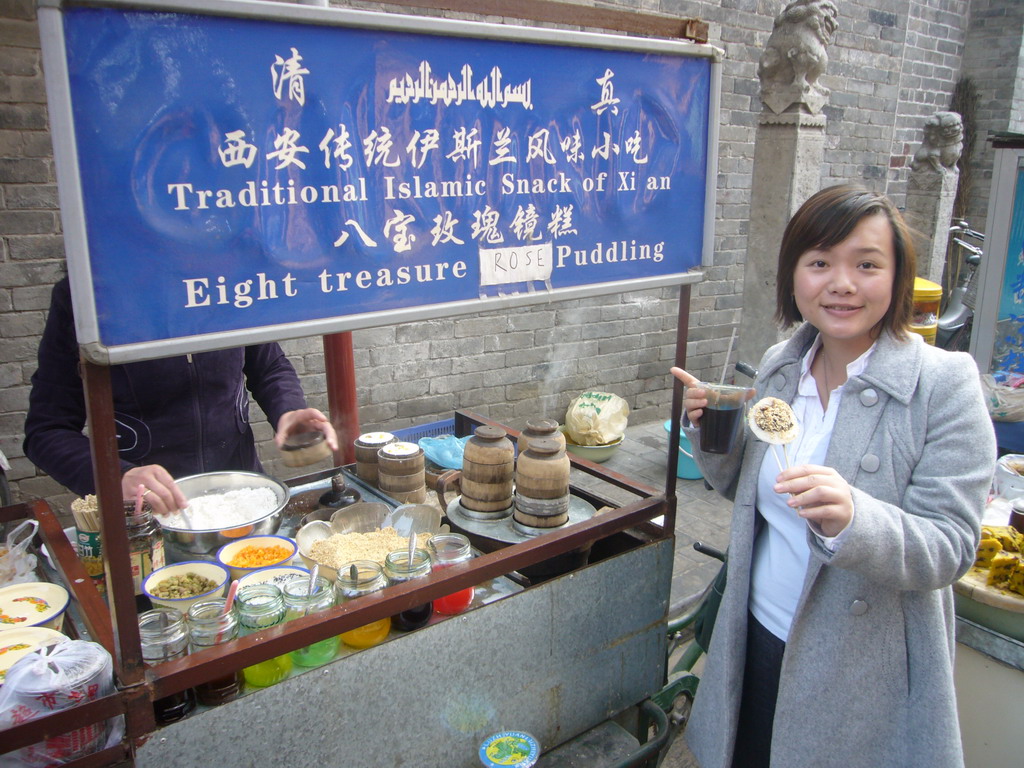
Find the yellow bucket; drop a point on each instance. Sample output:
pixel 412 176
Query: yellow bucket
pixel 927 297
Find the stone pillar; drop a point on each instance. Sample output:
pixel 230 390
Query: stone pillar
pixel 788 152
pixel 931 188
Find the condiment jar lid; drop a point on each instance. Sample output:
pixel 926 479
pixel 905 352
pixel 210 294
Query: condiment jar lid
pixel 510 748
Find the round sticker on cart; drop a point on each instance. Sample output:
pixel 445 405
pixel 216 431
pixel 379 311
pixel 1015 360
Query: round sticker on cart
pixel 516 748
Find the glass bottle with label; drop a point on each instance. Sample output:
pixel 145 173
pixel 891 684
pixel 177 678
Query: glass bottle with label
pixel 261 606
pixel 355 580
pixel 145 548
pixel 300 601
pixel 164 636
pixel 398 568
pixel 209 625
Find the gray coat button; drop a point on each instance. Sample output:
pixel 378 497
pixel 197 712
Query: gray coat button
pixel 870 463
pixel 858 607
pixel 869 397
pixel 780 381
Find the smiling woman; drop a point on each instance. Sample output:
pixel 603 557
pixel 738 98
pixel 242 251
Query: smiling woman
pixel 842 562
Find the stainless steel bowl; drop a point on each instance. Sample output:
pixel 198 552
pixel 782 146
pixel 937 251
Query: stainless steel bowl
pixel 206 542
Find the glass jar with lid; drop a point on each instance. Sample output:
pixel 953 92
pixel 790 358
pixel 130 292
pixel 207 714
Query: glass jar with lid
pixel 209 625
pixel 399 568
pixel 299 601
pixel 145 547
pixel 261 606
pixel 164 636
pixel 362 577
pixel 448 549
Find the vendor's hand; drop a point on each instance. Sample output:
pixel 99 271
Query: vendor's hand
pixel 819 495
pixel 694 397
pixel 158 488
pixel 305 420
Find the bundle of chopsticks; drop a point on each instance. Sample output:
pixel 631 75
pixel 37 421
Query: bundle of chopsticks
pixel 86 513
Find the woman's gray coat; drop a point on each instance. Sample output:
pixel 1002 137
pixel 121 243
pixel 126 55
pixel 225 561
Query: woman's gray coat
pixel 867 678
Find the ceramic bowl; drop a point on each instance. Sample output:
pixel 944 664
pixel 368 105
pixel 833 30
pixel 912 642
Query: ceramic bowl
pixel 205 542
pixel 229 552
pixel 365 517
pixel 33 604
pixel 275 574
pixel 596 453
pixel 15 643
pixel 213 571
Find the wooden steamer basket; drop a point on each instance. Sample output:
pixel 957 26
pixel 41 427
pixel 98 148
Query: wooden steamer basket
pixel 488 470
pixel 400 472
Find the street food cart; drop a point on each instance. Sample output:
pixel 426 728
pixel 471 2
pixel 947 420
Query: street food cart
pixel 246 170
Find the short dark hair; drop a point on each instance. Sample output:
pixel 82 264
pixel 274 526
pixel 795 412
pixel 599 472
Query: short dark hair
pixel 827 218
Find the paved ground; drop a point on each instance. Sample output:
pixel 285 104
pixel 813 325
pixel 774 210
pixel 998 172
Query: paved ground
pixel 702 515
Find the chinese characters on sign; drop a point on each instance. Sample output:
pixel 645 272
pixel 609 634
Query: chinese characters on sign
pixel 316 171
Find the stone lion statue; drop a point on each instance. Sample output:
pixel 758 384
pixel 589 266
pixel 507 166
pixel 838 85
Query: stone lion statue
pixel 796 55
pixel 942 145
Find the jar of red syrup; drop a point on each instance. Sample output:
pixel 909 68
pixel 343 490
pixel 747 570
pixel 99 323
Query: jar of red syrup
pixel 446 550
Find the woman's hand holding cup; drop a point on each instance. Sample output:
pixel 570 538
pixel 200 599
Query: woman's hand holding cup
pixel 694 396
pixel 718 410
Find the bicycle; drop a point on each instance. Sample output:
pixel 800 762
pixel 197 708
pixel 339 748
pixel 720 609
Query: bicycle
pixel 957 320
pixel 675 698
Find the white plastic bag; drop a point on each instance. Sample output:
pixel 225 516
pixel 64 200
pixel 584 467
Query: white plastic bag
pixel 17 564
pixel 54 678
pixel 596 418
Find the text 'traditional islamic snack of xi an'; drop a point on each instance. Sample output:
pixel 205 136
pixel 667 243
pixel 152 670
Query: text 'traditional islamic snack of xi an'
pixel 773 421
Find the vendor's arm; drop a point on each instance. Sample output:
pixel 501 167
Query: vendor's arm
pixel 158 488
pixel 274 384
pixel 54 438
pixel 305 420
pixel 929 540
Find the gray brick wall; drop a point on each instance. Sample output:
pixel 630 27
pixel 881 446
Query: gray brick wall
pixel 893 65
pixel 993 54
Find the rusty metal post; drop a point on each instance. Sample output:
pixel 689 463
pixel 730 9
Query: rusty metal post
pixel 339 364
pixel 682 333
pixel 106 464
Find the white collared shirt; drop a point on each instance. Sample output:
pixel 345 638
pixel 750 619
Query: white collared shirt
pixel 780 551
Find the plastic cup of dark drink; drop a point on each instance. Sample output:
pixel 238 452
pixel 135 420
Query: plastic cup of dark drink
pixel 723 416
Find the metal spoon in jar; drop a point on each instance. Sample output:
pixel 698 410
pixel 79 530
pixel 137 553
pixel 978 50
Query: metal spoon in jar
pixel 412 548
pixel 314 572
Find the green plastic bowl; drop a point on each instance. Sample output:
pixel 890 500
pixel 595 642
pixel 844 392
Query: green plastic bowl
pixel 596 453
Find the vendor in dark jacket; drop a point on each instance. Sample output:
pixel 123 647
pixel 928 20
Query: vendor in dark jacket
pixel 175 416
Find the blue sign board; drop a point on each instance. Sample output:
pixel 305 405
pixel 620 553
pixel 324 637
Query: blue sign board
pixel 237 174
